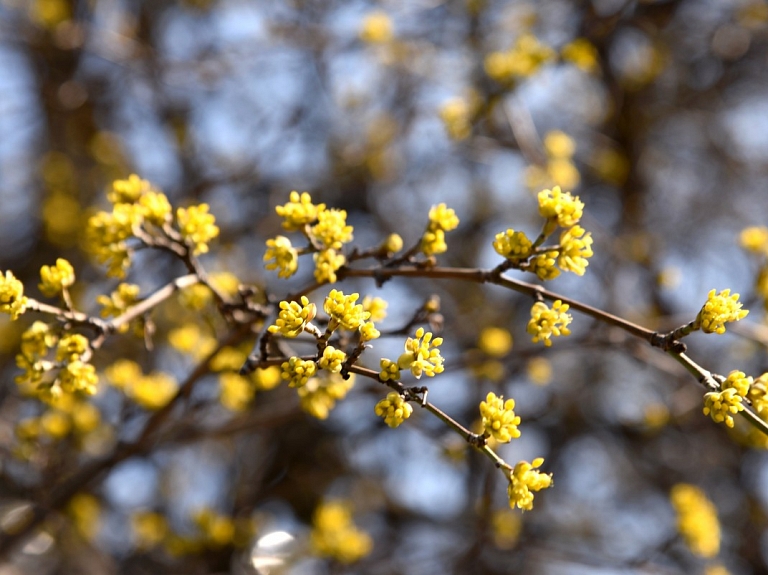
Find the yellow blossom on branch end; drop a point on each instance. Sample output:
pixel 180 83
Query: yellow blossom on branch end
pixel 719 309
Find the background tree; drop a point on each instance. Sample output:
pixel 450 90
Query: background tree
pixel 653 113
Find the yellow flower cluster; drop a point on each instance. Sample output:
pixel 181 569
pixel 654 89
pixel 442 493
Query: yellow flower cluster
pixel 394 409
pixel 421 357
pixel 297 371
pixel 546 322
pixel 299 211
pixel 235 391
pixel 344 311
pixel 543 265
pixel 512 245
pixel 320 394
pixel 721 405
pixel 376 306
pixel 456 117
pixel 35 343
pixel 718 310
pixel 524 480
pixel 332 359
pixel 281 256
pixel 332 229
pixel 197 227
pixel 293 317
pixel 118 302
pixel 12 299
pixel 334 535
pixel 696 519
pixel 524 59
pixel 327 263
pixel 55 279
pixel 151 391
pixel 495 341
pixel 376 28
pixel 575 248
pixel 559 169
pixel 582 54
pixel 755 239
pixel 441 219
pixel 149 528
pixel 66 414
pixel 758 394
pixel 368 331
pixel 499 419
pixel 389 370
pixel 561 206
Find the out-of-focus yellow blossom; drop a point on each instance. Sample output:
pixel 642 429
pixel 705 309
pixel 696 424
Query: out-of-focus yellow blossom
pixel 376 28
pixel 433 242
pixel 755 239
pixel 739 381
pixel 118 302
pixel 582 53
pixel 544 265
pixel 376 306
pixel 334 534
pixel 153 391
pixel 442 217
pixel 327 263
pixel 281 256
pixel 12 298
pixel 522 60
pixel 558 144
pixel 389 370
pixel 539 370
pixel 455 114
pixel 575 248
pixel 123 373
pixel 228 359
pixel 512 245
pixel 368 331
pixel 85 416
pixel 332 229
pixel 55 279
pixel 506 525
pixel 524 480
pixel 156 208
pixel 37 339
pixel 344 310
pixel 225 282
pixel 106 235
pixel 421 355
pixel 696 519
pixel 197 227
pixel 761 285
pixel 499 419
pixel 294 317
pixel 78 376
pixel 71 347
pixel 394 409
pixel 297 371
pixel 299 211
pixel 219 530
pixel 332 359
pixel 266 378
pixel 393 244
pixel 48 13
pixel 55 424
pixel 85 511
pixel 495 341
pixel 721 405
pixel 235 391
pixel 320 394
pixel 149 529
pixel 547 322
pixel 28 429
pixel 563 172
pixel 128 191
pixel 190 339
pixel 562 206
pixel 758 393
pixel 716 569
pixel 611 165
pixel 718 310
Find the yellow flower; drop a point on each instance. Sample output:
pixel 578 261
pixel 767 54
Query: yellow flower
pixel 332 359
pixel 12 299
pixel 499 419
pixel 393 244
pixel 84 509
pixel 55 424
pixel 523 481
pixel 512 245
pixel 543 265
pixel 739 381
pixel 721 405
pixel 297 371
pixel 71 347
pixel 522 60
pixel 421 355
pixel 696 519
pixel 755 239
pixel 106 235
pixel 235 391
pixel 539 370
pixel 562 206
pixel 582 54
pixel 456 118
pixel 299 212
pixel 149 528
pixel 266 378
pixel 78 376
pixel 228 359
pixel 282 256
pixel 190 339
pixel 376 306
pixel 758 393
pixel 443 218
pixel 320 394
pixel 335 535
pixel 123 373
pixel 332 229
pixel 128 191
pixel 507 525
pixel 54 279
pixel 389 370
pixel 575 248
pixel 156 208
pixel 327 263
pixel 293 317
pixel 197 227
pixel 495 341
pixel 433 242
pixel 376 28
pixel 153 391
pixel 546 322
pixel 344 310
pixel 718 310
pixel 394 409
pixel 368 331
pixel 118 302
pixel 559 144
